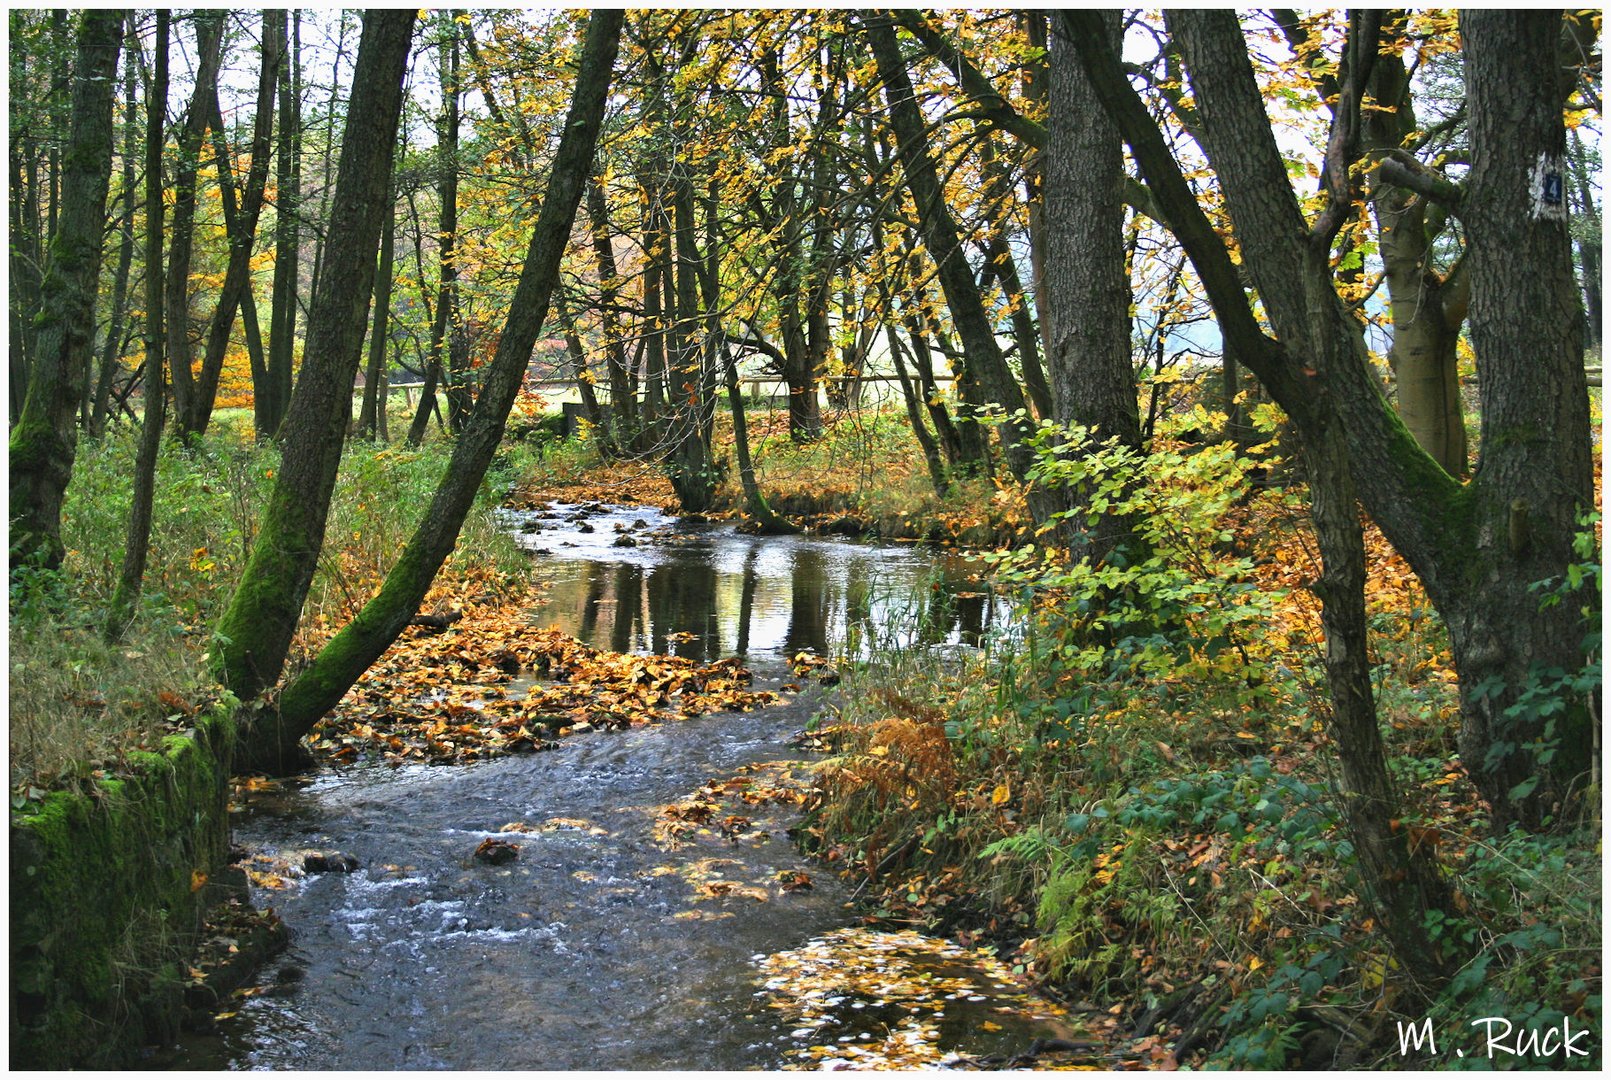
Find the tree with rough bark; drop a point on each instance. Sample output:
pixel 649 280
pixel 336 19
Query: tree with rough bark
pixel 1481 546
pixel 1087 301
pixel 45 438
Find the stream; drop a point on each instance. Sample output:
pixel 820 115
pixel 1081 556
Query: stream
pixel 609 943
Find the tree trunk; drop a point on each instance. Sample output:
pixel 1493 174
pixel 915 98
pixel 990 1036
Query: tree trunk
pixel 584 375
pixel 984 361
pixel 45 439
pixel 339 664
pixel 136 544
pixel 320 239
pixel 1000 264
pixel 1309 318
pixel 1536 473
pixel 691 468
pixel 176 316
pixel 1477 548
pixel 111 348
pixel 1588 241
pixel 623 391
pixel 27 257
pixel 374 404
pixel 1427 309
pixel 914 415
pixel 765 519
pixel 271 398
pixel 240 226
pixel 458 380
pixel 433 374
pixel 1087 298
pixel 255 632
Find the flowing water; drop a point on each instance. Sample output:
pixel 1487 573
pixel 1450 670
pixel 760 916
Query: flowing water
pixel 607 944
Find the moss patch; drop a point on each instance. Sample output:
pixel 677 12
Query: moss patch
pixel 108 889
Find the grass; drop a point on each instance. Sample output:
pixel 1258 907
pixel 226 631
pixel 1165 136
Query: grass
pixel 77 705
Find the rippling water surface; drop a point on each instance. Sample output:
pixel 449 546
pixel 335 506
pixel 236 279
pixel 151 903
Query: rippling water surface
pixel 601 946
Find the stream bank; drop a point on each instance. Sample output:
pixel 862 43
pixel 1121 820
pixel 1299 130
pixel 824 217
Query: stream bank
pixel 648 907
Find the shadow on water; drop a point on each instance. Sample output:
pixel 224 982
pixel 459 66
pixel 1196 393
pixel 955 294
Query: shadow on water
pixel 602 946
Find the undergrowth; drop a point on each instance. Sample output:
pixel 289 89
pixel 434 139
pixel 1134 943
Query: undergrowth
pixel 79 705
pixel 1133 794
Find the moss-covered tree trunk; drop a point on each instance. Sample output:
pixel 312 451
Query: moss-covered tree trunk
pixel 254 634
pixel 45 439
pixel 272 740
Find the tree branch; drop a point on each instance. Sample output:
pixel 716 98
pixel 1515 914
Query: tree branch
pixel 1402 169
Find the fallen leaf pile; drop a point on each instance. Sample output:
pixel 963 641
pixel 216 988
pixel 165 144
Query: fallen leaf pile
pixel 452 695
pixel 714 809
pixel 621 482
pixel 806 665
pixel 228 924
pixel 868 999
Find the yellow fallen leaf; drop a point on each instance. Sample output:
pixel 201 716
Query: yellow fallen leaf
pixel 1000 795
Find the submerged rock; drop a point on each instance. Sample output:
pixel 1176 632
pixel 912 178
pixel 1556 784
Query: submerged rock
pixel 496 852
pixel 328 862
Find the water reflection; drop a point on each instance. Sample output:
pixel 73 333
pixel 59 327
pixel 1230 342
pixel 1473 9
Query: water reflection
pixel 706 591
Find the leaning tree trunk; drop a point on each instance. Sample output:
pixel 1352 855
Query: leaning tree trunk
pixel 273 739
pixel 240 228
pixel 1310 319
pixel 254 634
pixel 45 439
pixel 136 543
